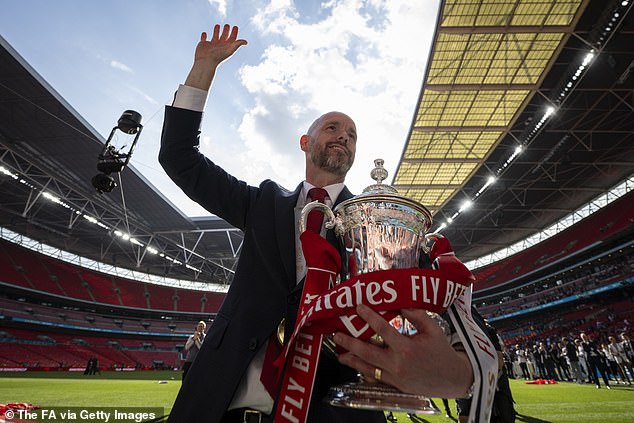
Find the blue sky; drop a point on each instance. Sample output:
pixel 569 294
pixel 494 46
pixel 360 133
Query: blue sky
pixel 304 58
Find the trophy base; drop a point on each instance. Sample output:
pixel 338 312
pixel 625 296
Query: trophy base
pixel 379 396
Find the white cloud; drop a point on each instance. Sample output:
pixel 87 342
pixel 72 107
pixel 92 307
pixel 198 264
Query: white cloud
pixel 272 151
pixel 364 58
pixel 146 96
pixel 121 66
pixel 220 5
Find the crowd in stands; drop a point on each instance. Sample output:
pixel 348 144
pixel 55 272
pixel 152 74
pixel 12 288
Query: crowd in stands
pixel 541 292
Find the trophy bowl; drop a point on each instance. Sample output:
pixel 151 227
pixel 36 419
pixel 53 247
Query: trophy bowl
pixel 377 230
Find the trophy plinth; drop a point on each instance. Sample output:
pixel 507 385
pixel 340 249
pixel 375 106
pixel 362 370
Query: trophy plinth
pixel 379 396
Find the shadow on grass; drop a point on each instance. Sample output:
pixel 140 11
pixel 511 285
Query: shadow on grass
pixel 528 419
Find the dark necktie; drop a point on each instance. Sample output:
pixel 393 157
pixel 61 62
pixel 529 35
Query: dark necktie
pixel 274 349
pixel 316 217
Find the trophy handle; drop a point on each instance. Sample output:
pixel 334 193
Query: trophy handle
pixel 429 241
pixel 328 215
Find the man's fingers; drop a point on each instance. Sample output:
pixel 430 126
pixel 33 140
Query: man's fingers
pixel 365 357
pixel 374 357
pixel 225 31
pixel 370 352
pixel 381 326
pixel 229 34
pixel 421 320
pixel 368 371
pixel 234 33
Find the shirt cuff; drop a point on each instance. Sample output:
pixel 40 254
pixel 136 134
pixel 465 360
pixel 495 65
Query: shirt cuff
pixel 190 98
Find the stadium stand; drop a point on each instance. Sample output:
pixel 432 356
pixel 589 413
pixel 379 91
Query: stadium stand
pixel 26 268
pixel 160 297
pixel 29 268
pixel 565 285
pixel 10 270
pixel 55 316
pixel 57 351
pixel 609 221
pixel 67 278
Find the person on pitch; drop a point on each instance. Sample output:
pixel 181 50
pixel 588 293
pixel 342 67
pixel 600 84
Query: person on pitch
pixel 227 382
pixel 193 345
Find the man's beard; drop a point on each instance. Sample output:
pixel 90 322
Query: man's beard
pixel 332 160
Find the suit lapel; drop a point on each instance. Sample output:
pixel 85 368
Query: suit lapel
pixel 343 195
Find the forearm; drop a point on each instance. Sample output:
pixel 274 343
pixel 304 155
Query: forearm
pixel 201 74
pixel 189 343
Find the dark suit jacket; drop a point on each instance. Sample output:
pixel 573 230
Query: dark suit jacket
pixel 263 290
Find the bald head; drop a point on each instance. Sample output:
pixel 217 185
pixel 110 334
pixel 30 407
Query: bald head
pixel 330 147
pixel 330 115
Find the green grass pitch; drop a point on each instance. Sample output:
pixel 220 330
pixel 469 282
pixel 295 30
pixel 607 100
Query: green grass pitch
pixel 559 403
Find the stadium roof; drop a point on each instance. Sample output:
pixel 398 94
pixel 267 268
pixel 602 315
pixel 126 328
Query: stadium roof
pixel 494 69
pixel 551 77
pixel 49 149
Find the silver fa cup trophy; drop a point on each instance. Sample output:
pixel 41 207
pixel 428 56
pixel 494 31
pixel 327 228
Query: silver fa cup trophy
pixel 379 230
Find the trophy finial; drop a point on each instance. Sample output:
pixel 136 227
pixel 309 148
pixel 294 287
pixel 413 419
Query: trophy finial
pixel 379 173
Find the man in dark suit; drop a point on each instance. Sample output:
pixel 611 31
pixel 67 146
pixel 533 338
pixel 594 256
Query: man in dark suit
pixel 223 384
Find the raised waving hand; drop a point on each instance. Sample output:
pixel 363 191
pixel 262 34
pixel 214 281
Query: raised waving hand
pixel 210 53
